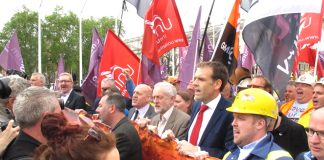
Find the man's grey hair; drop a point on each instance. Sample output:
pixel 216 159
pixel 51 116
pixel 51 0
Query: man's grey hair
pixel 31 104
pixel 17 85
pixel 40 76
pixel 167 87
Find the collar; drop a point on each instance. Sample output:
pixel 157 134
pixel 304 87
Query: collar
pixel 167 114
pixel 213 103
pixel 123 120
pixel 264 146
pixel 143 110
pixel 67 94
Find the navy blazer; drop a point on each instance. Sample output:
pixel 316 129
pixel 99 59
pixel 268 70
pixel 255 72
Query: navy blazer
pixel 217 138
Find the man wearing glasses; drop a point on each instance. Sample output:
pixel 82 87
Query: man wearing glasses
pixel 315 134
pixel 70 98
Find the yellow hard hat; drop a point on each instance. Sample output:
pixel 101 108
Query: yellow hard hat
pixel 255 101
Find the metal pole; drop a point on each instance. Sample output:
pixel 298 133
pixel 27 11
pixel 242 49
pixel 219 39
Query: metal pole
pixel 80 43
pixel 39 56
pixel 206 27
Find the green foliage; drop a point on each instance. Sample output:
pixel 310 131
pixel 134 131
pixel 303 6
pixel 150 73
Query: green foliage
pixel 60 35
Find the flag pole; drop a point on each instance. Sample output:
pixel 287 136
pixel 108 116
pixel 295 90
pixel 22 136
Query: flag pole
pixel 206 27
pixel 39 39
pixel 121 17
pixel 139 69
pixel 80 43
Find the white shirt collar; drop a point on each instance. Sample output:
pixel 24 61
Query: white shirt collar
pixel 213 103
pixel 167 114
pixel 247 149
pixel 142 111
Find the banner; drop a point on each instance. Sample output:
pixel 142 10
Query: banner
pixel 10 57
pixel 208 49
pixel 116 57
pixel 163 30
pixel 187 67
pixel 227 49
pixel 271 35
pixel 90 83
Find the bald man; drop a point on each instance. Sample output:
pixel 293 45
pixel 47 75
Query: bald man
pixel 141 99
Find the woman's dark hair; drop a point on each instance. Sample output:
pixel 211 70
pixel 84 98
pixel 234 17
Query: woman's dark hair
pixel 186 97
pixel 72 142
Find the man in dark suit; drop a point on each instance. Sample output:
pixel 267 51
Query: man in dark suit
pixel 111 112
pixel 210 124
pixel 168 116
pixel 141 103
pixel 70 98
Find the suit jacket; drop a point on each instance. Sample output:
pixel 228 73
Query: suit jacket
pixel 127 140
pixel 217 138
pixel 75 101
pixel 149 114
pixel 177 122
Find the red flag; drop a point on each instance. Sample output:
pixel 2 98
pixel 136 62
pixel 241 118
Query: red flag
pixel 310 34
pixel 116 57
pixel 163 30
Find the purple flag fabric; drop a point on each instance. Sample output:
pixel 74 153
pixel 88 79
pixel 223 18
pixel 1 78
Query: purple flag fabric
pixel 60 65
pixel 141 6
pixel 90 83
pixel 151 72
pixel 187 66
pixel 164 71
pixel 208 50
pixel 270 35
pixel 10 57
pixel 60 70
pixel 246 59
pixel 321 58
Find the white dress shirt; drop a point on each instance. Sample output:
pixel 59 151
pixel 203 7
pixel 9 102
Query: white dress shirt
pixel 207 116
pixel 142 111
pixel 163 121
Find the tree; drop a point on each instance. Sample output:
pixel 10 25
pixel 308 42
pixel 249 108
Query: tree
pixel 60 35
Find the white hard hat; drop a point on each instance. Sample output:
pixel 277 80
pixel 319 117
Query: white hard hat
pixel 320 81
pixel 306 79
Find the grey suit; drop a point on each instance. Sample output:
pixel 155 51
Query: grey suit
pixel 178 122
pixel 149 114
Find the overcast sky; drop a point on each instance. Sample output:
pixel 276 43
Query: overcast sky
pixel 98 8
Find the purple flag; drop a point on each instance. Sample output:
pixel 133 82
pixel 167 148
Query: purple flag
pixel 151 72
pixel 187 66
pixel 10 57
pixel 141 6
pixel 60 65
pixel 164 71
pixel 208 50
pixel 246 59
pixel 321 59
pixel 90 83
pixel 60 70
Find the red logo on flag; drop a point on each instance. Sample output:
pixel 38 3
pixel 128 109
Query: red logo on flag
pixel 116 57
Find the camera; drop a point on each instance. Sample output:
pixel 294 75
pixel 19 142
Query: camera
pixel 5 90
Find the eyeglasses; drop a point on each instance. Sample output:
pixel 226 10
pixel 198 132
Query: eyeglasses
pixel 65 81
pixel 310 133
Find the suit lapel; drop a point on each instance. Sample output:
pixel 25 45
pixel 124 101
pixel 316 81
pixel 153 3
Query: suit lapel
pixel 170 122
pixel 149 111
pixel 131 112
pixel 68 101
pixel 216 115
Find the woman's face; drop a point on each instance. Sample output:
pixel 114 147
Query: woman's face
pixel 181 104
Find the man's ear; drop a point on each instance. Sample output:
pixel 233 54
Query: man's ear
pixel 218 84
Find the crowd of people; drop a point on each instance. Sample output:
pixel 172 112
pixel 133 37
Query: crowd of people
pixel 216 116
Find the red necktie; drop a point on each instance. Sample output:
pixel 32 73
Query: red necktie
pixel 195 131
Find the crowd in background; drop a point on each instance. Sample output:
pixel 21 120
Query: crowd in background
pixel 237 117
